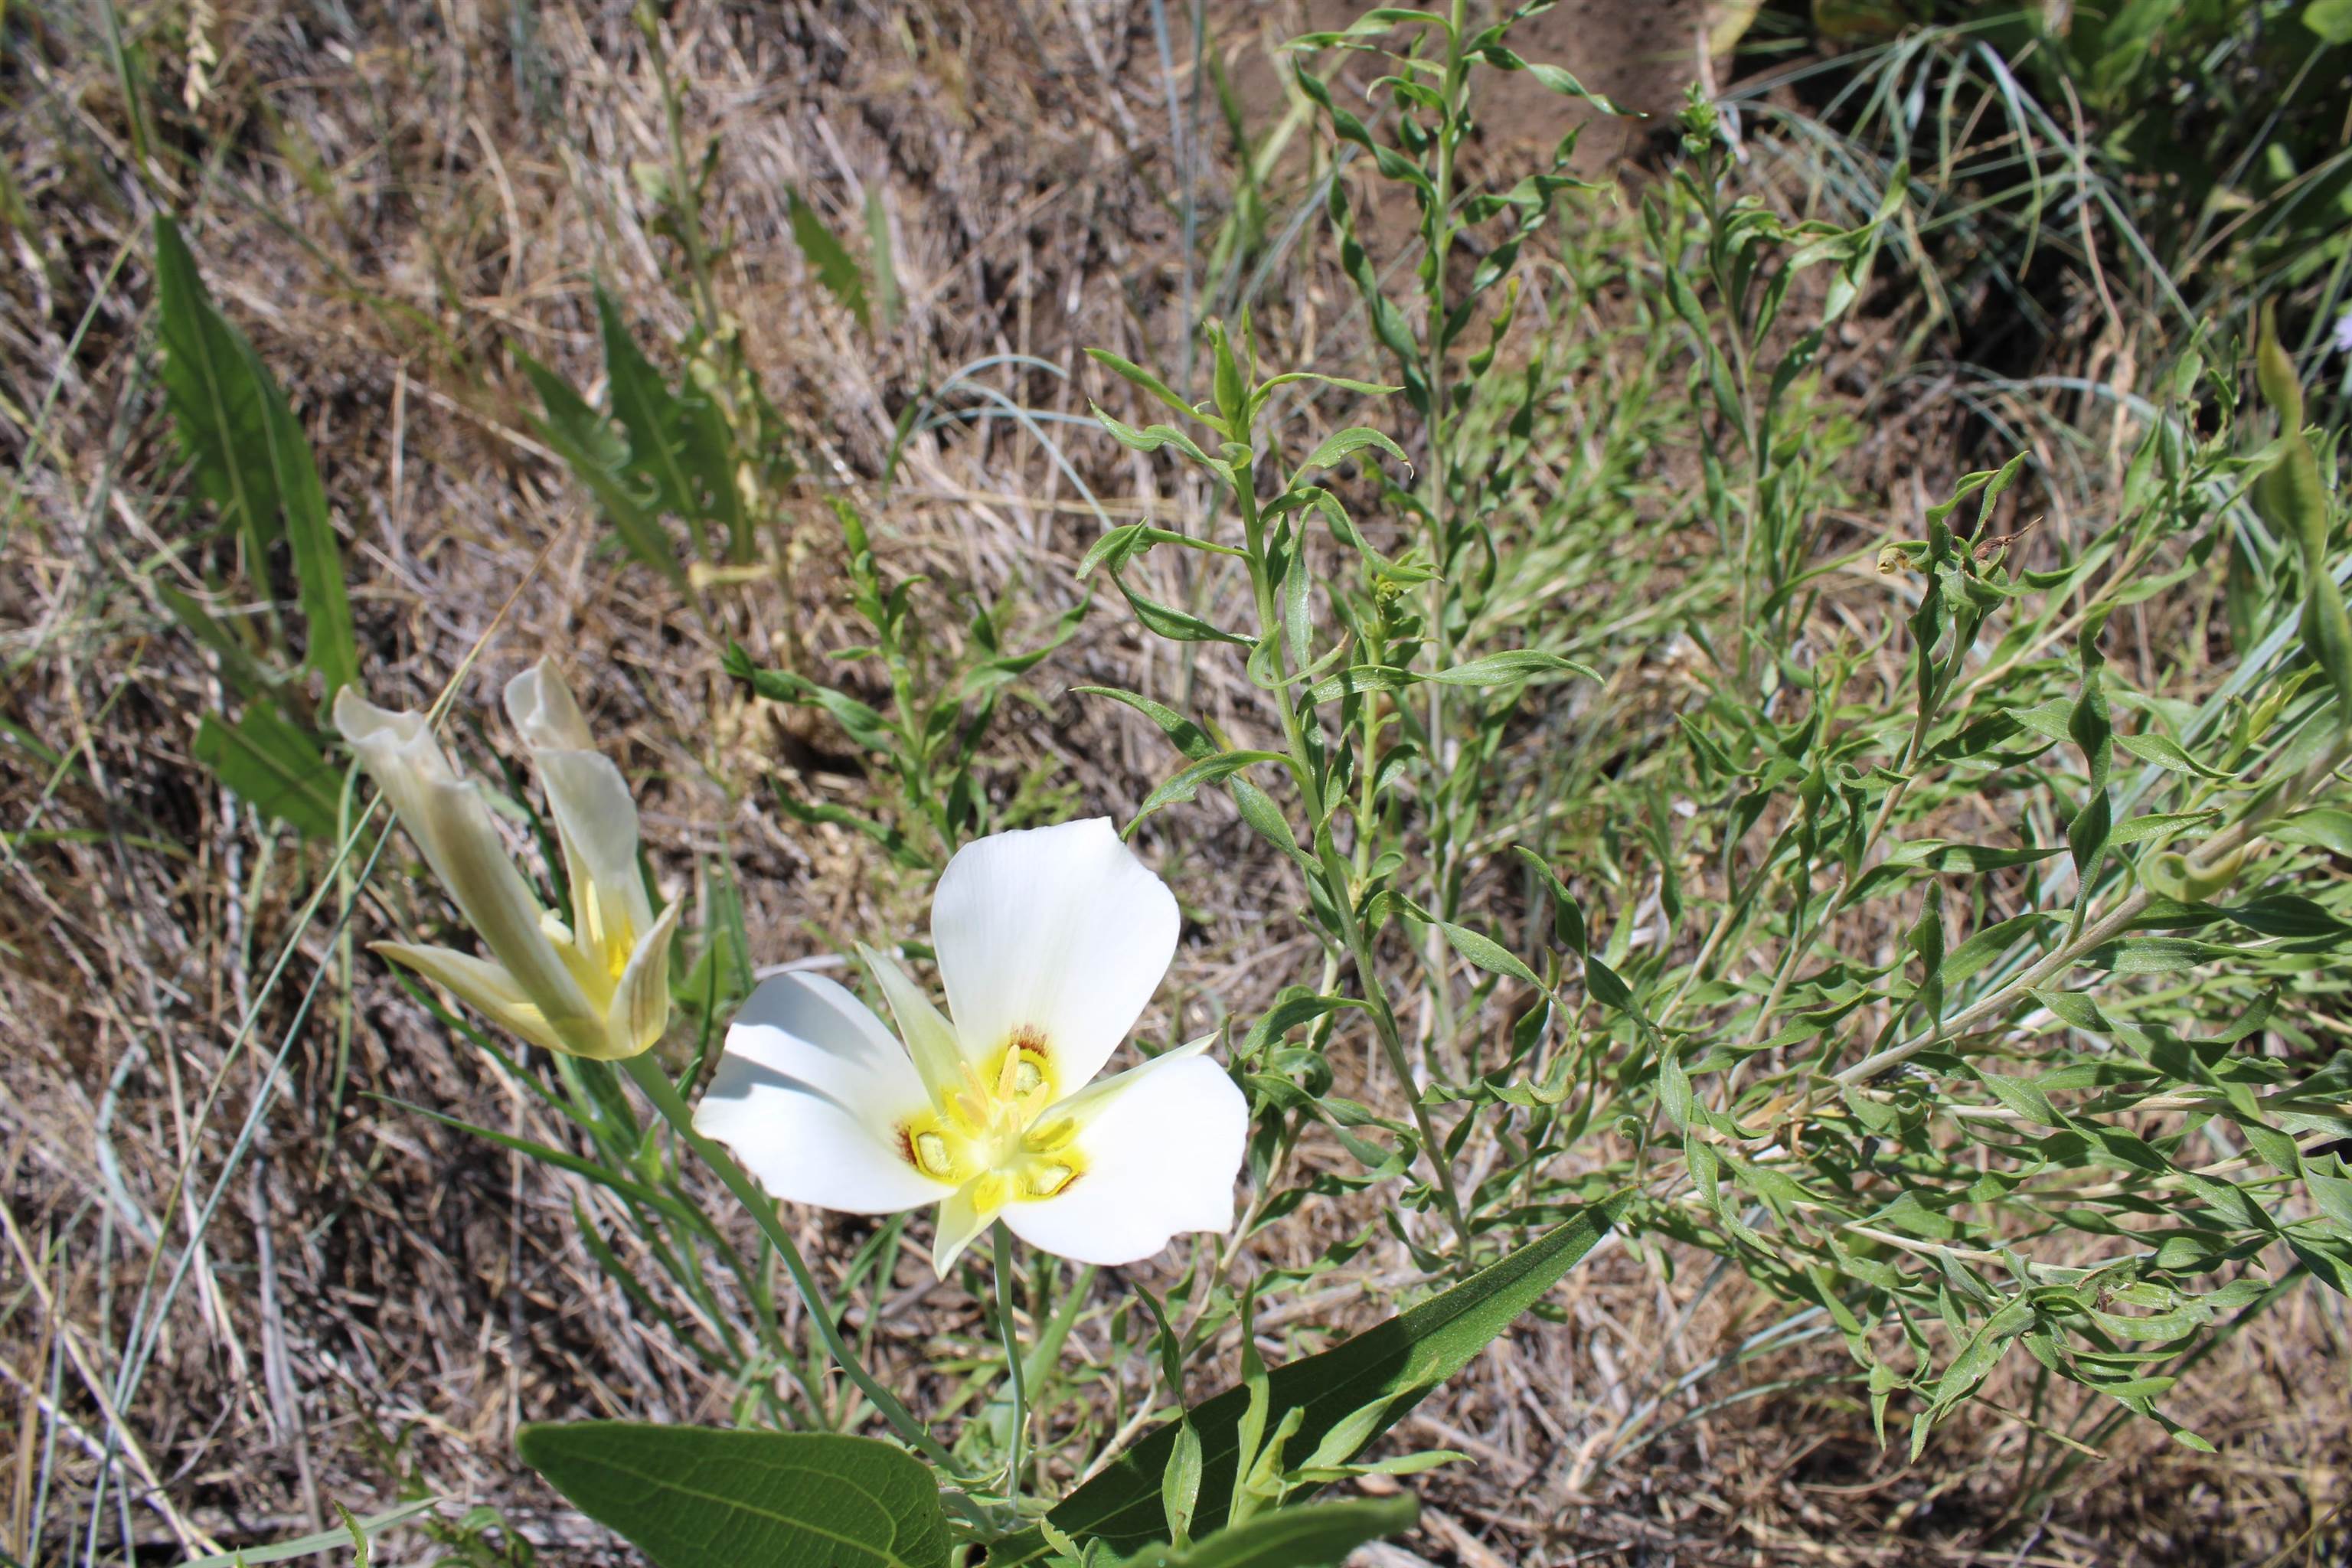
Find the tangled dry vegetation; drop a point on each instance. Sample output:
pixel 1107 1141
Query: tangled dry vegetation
pixel 366 1301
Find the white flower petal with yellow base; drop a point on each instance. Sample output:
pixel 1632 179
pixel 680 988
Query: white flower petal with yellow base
pixel 810 1094
pixel 595 817
pixel 1159 1146
pixel 1051 941
pixel 1056 937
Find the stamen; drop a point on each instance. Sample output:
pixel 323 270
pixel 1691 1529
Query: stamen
pixel 1051 1137
pixel 1044 1181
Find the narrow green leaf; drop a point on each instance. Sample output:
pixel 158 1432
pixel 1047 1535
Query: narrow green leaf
pixel 1182 733
pixel 273 767
pixel 1487 954
pixel 1151 384
pixel 1315 1535
pixel 1185 785
pixel 1518 664
pixel 249 455
pixel 835 268
pixel 1347 443
pixel 598 456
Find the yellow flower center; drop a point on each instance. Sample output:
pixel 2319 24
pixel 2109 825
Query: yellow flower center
pixel 994 1138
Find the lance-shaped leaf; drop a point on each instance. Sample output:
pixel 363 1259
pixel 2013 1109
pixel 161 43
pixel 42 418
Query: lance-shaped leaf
pixel 1315 1536
pixel 598 456
pixel 251 460
pixel 835 268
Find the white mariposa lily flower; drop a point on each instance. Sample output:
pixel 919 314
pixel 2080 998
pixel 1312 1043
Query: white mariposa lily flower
pixel 1050 942
pixel 597 987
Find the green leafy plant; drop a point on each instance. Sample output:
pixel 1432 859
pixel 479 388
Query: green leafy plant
pixel 251 463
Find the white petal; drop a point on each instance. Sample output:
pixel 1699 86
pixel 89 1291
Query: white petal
pixel 1162 1146
pixel 479 985
pixel 809 1095
pixel 461 843
pixel 640 1009
pixel 597 822
pixel 931 1039
pixel 397 749
pixel 1060 930
pixel 541 706
pixel 595 815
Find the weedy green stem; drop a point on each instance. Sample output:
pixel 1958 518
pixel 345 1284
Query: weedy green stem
pixel 2273 805
pixel 1335 868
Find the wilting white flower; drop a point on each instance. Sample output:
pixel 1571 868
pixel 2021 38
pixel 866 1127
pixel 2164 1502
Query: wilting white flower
pixel 2344 333
pixel 1050 942
pixel 596 987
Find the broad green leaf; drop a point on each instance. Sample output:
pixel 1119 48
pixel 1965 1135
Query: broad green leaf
pixel 1313 1535
pixel 243 672
pixel 694 1497
pixel 1384 1372
pixel 2330 19
pixel 217 409
pixel 273 767
pixel 2321 827
pixel 835 268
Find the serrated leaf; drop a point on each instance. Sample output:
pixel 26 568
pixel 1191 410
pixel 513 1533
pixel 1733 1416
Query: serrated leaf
pixel 691 1496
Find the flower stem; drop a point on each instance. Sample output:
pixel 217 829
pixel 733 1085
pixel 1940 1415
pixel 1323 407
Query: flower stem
pixel 655 1086
pixel 1012 1369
